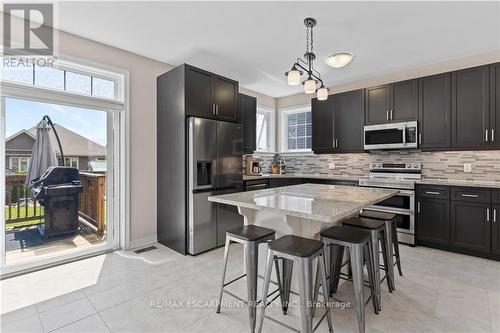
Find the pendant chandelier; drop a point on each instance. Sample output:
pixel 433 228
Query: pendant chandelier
pixel 313 76
pixel 301 66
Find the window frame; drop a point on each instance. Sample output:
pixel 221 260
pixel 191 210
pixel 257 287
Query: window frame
pixel 17 168
pixel 271 134
pixel 72 159
pixel 283 130
pixel 118 179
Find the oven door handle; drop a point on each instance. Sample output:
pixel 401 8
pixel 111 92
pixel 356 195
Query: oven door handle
pixel 404 135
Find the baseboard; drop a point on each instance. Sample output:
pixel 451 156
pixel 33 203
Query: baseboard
pixel 137 243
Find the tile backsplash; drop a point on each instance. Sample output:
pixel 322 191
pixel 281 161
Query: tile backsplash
pixel 439 165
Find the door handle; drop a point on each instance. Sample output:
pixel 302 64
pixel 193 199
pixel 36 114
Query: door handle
pixel 487 215
pixel 486 132
pixel 392 118
pixel 432 192
pixel 494 215
pixel 470 195
pixel 213 109
pixel 418 207
pixel 387 115
pixel 336 143
pixel 216 109
pixel 420 138
pixel 492 135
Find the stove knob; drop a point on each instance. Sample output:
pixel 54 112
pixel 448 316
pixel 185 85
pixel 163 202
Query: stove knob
pixel 415 165
pixel 408 165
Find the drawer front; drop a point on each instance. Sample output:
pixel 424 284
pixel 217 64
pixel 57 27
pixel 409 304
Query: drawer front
pixel 470 194
pixel 496 197
pixel 258 184
pixel 434 192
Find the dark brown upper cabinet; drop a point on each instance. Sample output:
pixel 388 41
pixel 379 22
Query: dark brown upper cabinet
pixel 323 127
pixel 349 121
pixel 392 102
pixel 248 114
pixel 470 108
pixel 209 95
pixel 495 105
pixel 404 101
pixel 378 105
pixel 435 111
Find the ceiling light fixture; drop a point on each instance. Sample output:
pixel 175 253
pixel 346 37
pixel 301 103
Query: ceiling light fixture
pixel 339 59
pixel 313 76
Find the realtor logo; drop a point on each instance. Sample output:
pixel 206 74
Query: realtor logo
pixel 27 29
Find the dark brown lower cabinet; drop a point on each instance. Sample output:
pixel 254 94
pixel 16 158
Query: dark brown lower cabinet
pixel 433 221
pixel 495 230
pixel 470 226
pixel 278 182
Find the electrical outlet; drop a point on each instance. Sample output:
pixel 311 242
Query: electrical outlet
pixel 331 166
pixel 467 167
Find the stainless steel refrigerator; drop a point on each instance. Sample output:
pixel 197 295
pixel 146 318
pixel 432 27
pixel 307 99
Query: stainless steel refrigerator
pixel 215 167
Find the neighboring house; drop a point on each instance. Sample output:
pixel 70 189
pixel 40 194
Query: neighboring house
pixel 78 150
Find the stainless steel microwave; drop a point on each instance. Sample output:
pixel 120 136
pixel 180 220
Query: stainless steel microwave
pixel 391 136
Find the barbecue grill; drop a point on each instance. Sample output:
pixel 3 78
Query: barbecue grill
pixel 58 191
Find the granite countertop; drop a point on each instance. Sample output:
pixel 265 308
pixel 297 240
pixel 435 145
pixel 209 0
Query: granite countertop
pixel 459 182
pixel 302 175
pixel 326 203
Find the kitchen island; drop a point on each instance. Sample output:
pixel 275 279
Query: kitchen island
pixel 301 210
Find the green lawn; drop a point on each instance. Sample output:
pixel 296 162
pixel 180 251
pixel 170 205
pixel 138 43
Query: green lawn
pixel 22 213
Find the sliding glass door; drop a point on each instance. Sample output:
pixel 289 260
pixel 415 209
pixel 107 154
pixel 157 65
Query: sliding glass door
pixel 60 170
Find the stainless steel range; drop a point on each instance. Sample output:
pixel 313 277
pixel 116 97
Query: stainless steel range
pixel 400 176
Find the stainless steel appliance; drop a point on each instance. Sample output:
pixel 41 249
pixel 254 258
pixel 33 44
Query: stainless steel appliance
pixel 391 136
pixel 252 165
pixel 214 162
pixel 400 176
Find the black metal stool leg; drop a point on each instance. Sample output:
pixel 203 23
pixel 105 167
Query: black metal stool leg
pixel 389 274
pixel 367 250
pixel 286 273
pixel 396 247
pixel 335 267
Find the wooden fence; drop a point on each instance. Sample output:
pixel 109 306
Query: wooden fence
pixel 93 199
pixel 20 208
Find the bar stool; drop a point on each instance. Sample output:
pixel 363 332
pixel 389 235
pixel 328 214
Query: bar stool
pixel 302 251
pixel 391 234
pixel 376 229
pixel 358 243
pixel 250 236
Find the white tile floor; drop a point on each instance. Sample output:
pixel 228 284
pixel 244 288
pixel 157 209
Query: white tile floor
pixel 126 292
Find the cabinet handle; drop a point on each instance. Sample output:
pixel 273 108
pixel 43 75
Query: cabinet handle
pixel 432 192
pixel 217 109
pixel 487 215
pixel 418 207
pixel 494 215
pixel 486 132
pixel 492 135
pixel 213 109
pixel 392 118
pixel 470 195
pixel 336 143
pixel 420 138
pixel 387 115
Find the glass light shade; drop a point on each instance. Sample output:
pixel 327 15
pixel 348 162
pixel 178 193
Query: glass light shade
pixel 310 86
pixel 339 59
pixel 293 77
pixel 322 94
